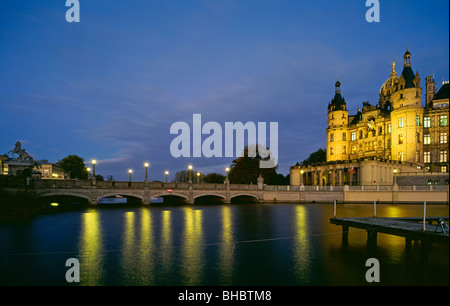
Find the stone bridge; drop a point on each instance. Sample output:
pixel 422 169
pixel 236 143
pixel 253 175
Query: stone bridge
pixel 143 192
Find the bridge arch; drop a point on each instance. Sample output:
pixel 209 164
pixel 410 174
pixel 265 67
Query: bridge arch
pixel 62 194
pixel 209 198
pixel 171 197
pixel 244 196
pixel 210 194
pixel 165 194
pixel 132 198
pixel 64 198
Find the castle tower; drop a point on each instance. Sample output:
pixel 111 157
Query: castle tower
pixel 407 115
pixel 337 131
pixel 430 89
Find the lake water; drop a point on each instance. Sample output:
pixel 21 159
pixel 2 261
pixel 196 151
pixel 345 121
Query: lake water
pixel 247 244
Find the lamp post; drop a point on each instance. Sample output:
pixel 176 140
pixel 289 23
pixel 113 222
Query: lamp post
pixel 227 180
pixel 395 177
pixel 302 187
pixel 190 174
pixel 146 174
pixel 198 177
pixel 88 169
pixel 93 172
pixel 167 174
pixel 130 171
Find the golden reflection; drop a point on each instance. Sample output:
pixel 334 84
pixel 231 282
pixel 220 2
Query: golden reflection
pixel 193 248
pixel 91 249
pixel 128 253
pixel 302 247
pixel 146 248
pixel 393 211
pixel 226 251
pixel 166 240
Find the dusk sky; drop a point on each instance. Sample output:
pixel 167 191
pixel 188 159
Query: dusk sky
pixel 111 86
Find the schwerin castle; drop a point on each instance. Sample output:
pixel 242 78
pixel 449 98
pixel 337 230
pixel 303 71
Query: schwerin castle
pixel 398 135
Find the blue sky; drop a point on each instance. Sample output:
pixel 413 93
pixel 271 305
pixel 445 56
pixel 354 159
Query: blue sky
pixel 111 86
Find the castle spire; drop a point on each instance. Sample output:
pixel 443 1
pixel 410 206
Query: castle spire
pixel 407 58
pixel 393 72
pixel 337 86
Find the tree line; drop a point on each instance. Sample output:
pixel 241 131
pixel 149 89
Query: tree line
pixel 243 170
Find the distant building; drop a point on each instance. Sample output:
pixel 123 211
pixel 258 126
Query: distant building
pixel 49 171
pixel 24 163
pixel 41 169
pixel 399 134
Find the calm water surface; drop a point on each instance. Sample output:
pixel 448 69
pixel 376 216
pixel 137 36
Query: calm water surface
pixel 248 244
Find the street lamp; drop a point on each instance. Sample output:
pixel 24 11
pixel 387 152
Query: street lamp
pixel 93 166
pixel 146 174
pixel 88 169
pixel 227 170
pixel 167 174
pixel 190 174
pixel 301 177
pixel 130 171
pixel 395 178
pixel 93 171
pixel 198 177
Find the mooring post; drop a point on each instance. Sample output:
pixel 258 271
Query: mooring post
pixel 344 234
pixel 372 236
pixel 424 215
pixel 334 209
pixel 375 208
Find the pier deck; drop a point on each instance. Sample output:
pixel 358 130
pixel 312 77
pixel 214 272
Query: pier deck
pixel 410 228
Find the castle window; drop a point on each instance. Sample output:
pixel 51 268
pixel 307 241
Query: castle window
pixel 417 120
pixel 443 120
pixel 380 130
pixel 344 136
pixel 389 128
pixel 400 156
pixel 400 122
pixel 443 156
pixel 389 144
pixel 426 122
pixel 331 151
pixel 426 157
pixel 443 138
pixel 400 139
pixel 426 139
pixel 417 137
pixel 331 137
pixel 344 150
pixel 444 169
pixel 353 149
pixel 417 156
pixel 353 136
pixel 360 134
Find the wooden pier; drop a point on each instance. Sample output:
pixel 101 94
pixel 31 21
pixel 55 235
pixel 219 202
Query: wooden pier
pixel 410 228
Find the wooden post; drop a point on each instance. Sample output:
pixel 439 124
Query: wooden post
pixel 371 237
pixel 334 210
pixel 344 234
pixel 424 215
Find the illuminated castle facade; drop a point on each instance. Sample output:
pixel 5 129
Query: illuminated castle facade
pixel 399 134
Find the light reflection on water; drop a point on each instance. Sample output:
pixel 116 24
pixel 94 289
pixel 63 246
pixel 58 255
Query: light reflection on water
pixel 279 244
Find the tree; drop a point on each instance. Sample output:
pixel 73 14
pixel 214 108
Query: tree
pixel 214 178
pixel 246 170
pixel 74 165
pixel 317 157
pixel 181 176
